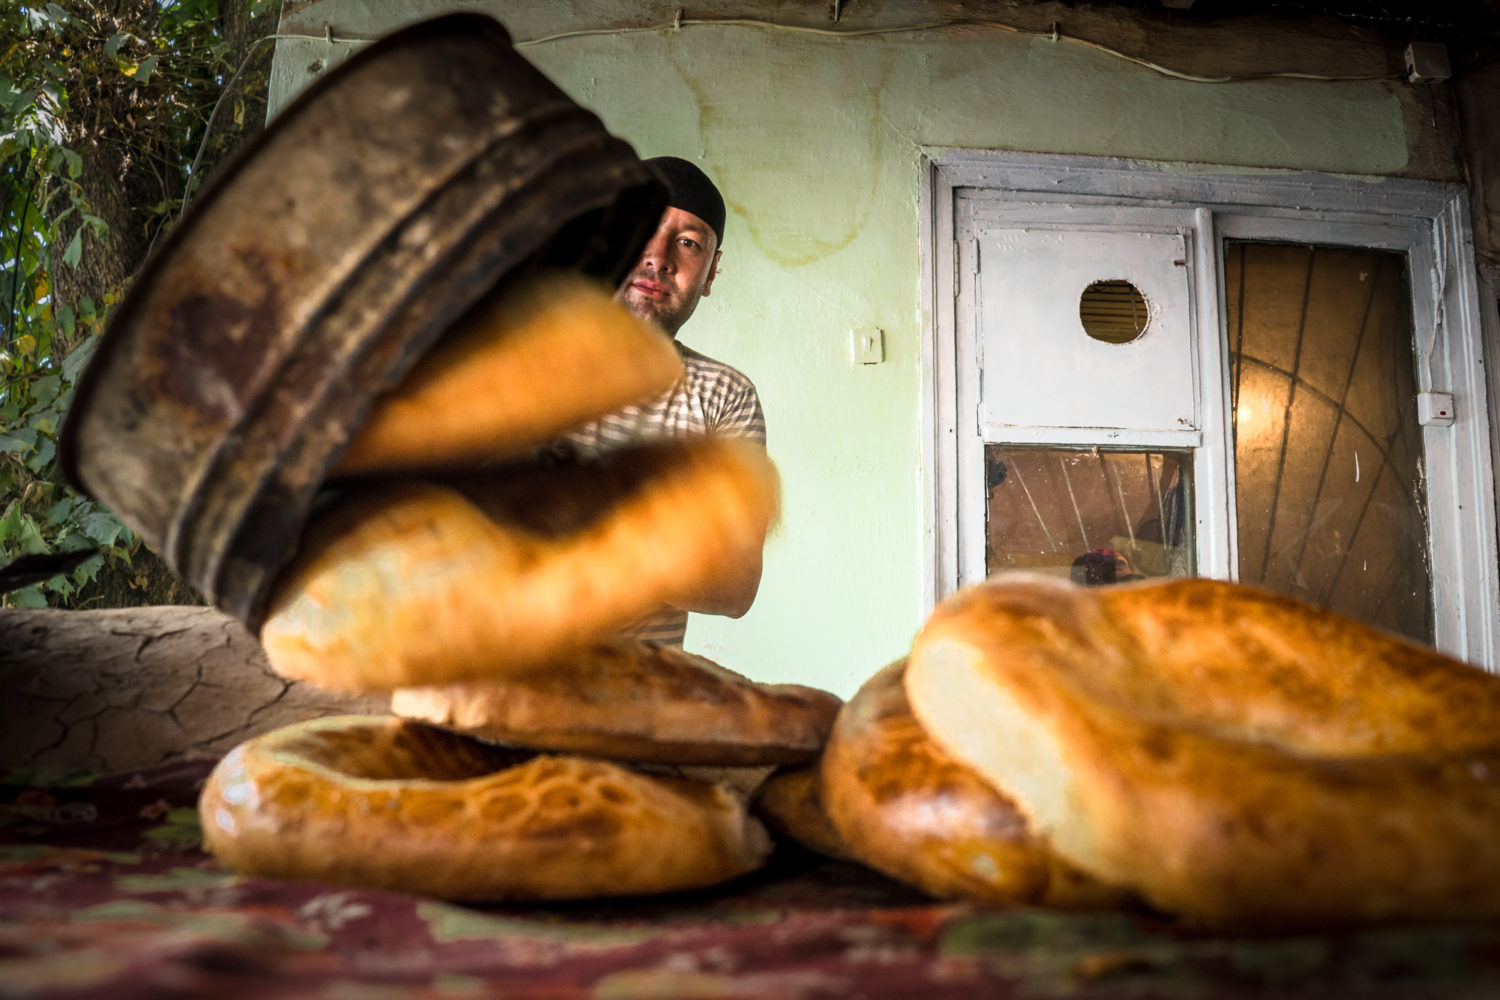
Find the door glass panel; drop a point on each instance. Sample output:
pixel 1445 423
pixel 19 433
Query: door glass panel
pixel 1090 515
pixel 1326 441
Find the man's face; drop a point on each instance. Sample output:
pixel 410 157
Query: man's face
pixel 675 270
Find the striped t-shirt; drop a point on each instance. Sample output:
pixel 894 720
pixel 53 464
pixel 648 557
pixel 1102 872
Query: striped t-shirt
pixel 710 398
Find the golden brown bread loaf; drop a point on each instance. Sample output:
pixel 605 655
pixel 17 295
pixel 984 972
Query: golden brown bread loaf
pixel 527 364
pixel 1237 757
pixel 631 700
pixel 409 584
pixel 790 803
pixel 384 803
pixel 908 809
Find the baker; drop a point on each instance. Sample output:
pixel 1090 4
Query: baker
pixel 675 270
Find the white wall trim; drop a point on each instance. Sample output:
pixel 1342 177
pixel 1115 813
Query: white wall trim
pixel 935 248
pixel 1218 542
pixel 1100 180
pixel 1460 329
pixel 1489 323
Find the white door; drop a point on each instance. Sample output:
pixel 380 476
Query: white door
pixel 1162 377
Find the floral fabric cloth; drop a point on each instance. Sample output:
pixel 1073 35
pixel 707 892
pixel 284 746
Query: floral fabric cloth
pixel 105 892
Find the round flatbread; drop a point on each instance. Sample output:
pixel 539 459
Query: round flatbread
pixel 908 809
pixel 385 803
pixel 790 803
pixel 1237 757
pixel 632 700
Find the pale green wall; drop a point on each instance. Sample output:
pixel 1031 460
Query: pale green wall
pixel 818 144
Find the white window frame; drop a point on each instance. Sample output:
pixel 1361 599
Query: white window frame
pixel 1427 221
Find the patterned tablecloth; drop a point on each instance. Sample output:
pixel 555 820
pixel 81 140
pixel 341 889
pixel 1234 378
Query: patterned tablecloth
pixel 105 891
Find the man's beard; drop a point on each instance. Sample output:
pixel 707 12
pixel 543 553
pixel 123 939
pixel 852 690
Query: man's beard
pixel 661 314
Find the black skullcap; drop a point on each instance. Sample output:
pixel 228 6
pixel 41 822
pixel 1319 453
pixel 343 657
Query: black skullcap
pixel 690 190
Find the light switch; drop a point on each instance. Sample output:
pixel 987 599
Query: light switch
pixel 1435 409
pixel 867 345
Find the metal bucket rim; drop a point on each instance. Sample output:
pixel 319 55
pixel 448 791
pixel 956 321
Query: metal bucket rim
pixel 461 23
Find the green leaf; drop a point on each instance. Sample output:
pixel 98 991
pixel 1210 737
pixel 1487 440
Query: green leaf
pixel 45 451
pixel 28 538
pixel 144 69
pixel 74 252
pixel 60 511
pixel 27 597
pixel 44 20
pixel 26 434
pixel 66 319
pixel 73 160
pixel 44 339
pixel 102 526
pixel 119 38
pixel 78 357
pixel 45 390
pixel 88 569
pixel 12 98
pixel 12 445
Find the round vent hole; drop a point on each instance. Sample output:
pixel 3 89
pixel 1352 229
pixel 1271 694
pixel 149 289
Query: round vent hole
pixel 1113 311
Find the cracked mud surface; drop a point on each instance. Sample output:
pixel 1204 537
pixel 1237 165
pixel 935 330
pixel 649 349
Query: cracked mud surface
pixel 134 687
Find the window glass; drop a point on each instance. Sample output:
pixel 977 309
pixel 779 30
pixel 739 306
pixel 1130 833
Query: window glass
pixel 1326 441
pixel 1091 515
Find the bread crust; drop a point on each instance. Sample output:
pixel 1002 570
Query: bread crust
pixel 384 803
pixel 790 803
pixel 632 700
pixel 409 583
pixel 1238 757
pixel 908 809
pixel 531 361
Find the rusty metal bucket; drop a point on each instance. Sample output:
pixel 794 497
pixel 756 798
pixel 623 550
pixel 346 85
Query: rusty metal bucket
pixel 386 201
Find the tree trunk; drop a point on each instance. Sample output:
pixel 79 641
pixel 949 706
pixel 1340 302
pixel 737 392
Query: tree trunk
pixel 125 689
pixel 126 183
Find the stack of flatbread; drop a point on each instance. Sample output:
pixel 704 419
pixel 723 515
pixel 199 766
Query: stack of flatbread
pixel 530 754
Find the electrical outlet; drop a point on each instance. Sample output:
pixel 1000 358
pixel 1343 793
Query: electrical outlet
pixel 1435 409
pixel 867 345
